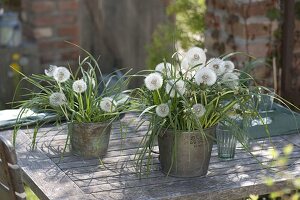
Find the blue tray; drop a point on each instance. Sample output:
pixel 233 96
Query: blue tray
pixel 280 121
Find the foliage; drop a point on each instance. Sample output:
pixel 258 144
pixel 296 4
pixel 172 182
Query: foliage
pixel 281 162
pixel 76 97
pixel 29 193
pixel 187 30
pixel 162 41
pixel 193 94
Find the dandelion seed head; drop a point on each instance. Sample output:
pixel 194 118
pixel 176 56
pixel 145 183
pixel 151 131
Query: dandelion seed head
pixel 231 80
pixel 50 70
pixel 199 109
pixel 61 74
pixel 162 110
pixel 175 87
pixel 154 81
pixel 79 86
pixel 196 56
pixel 217 65
pixel 228 66
pixel 57 99
pixel 205 76
pixel 164 68
pixel 107 104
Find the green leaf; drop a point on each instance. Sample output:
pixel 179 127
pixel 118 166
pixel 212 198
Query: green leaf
pixel 288 149
pixel 253 197
pixel 269 181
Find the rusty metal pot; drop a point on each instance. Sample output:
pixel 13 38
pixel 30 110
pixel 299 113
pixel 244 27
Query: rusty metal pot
pixel 89 139
pixel 185 154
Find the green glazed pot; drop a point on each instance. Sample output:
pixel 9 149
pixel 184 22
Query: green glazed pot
pixel 187 157
pixel 89 139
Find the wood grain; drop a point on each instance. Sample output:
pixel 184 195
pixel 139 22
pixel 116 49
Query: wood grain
pixel 114 177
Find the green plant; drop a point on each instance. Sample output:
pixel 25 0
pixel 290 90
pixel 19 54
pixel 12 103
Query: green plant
pixel 281 163
pixel 187 30
pixel 76 97
pixel 29 194
pixel 192 94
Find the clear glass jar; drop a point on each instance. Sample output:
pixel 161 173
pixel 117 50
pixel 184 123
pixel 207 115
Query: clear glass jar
pixel 226 142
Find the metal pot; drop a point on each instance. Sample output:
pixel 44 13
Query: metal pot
pixel 185 154
pixel 89 139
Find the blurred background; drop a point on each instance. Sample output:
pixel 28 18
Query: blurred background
pixel 139 34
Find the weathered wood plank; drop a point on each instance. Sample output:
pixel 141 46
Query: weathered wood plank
pixel 232 186
pixel 118 179
pixel 127 172
pixel 81 167
pixel 42 175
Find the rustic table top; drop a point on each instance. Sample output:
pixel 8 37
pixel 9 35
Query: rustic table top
pixel 52 176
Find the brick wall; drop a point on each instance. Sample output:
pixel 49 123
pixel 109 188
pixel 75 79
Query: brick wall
pixel 50 23
pixel 243 25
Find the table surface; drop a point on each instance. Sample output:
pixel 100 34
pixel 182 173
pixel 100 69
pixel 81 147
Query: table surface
pixel 52 176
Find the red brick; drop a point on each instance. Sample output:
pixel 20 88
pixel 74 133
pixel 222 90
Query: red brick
pixel 71 55
pixel 254 9
pixel 27 31
pixel 260 8
pixel 44 32
pixel 52 20
pixel 68 5
pixel 68 30
pixel 60 44
pixel 256 50
pixel 253 30
pixel 212 20
pixel 43 6
pixel 49 56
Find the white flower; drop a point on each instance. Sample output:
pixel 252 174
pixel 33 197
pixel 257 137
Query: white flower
pixel 199 109
pixel 154 81
pixel 165 68
pixel 205 76
pixel 162 110
pixel 217 65
pixel 231 80
pixel 196 56
pixel 108 104
pixel 175 87
pixel 228 66
pixel 50 70
pixel 79 86
pixel 57 99
pixel 187 70
pixel 61 74
pixel 190 75
pixel 184 65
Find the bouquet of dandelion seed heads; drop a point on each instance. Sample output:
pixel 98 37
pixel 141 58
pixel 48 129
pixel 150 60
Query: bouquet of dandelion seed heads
pixel 72 97
pixel 188 94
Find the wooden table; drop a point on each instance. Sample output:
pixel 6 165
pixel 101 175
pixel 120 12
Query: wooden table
pixel 72 177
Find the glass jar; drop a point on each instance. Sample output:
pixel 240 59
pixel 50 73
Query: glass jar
pixel 226 142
